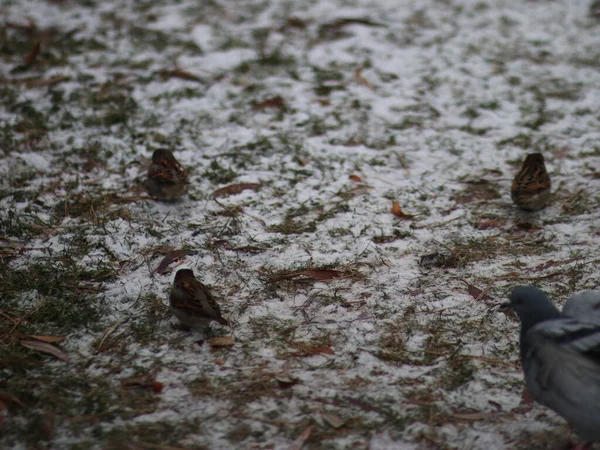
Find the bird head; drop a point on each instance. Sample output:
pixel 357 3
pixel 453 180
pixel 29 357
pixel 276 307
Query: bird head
pixel 532 305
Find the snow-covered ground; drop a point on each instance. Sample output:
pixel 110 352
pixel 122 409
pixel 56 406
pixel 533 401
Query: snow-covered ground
pixel 352 327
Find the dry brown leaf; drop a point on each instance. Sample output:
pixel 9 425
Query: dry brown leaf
pixel 169 258
pixel 274 102
pixel 48 339
pixel 477 293
pixel 45 348
pixel 182 74
pixel 48 81
pixel 333 420
pixel 33 54
pixel 362 80
pixel 355 178
pixel 145 380
pixel 301 440
pixel 323 274
pixel 223 341
pixel 233 189
pixel 397 211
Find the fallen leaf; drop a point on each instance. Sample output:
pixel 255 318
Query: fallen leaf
pixel 224 341
pixel 301 440
pixel 362 80
pixel 323 274
pixel 286 381
pixel 397 211
pixel 157 387
pixel 355 178
pixel 333 420
pixel 274 102
pixel 233 189
pixel 145 380
pixel 477 293
pixel 33 54
pixel 329 29
pixel 496 405
pixel 182 74
pixel 47 81
pixel 48 339
pixel 45 348
pixel 169 258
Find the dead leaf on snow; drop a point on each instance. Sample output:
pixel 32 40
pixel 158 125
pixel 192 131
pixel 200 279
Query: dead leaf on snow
pixel 48 339
pixel 361 79
pixel 223 341
pixel 274 102
pixel 397 211
pixel 477 293
pixel 355 178
pixel 301 440
pixel 181 74
pixel 233 189
pixel 171 257
pixel 333 420
pixel 45 348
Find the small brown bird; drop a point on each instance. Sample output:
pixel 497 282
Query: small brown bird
pixel 192 303
pixel 167 178
pixel 530 189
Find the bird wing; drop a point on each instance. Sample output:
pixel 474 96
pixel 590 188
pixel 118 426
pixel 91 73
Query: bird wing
pixel 194 297
pixel 562 371
pixel 569 334
pixel 584 306
pixel 563 361
pixel 167 171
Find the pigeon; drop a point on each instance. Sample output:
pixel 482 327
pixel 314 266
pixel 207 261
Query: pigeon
pixel 167 178
pixel 192 303
pixel 530 188
pixel 561 360
pixel 584 305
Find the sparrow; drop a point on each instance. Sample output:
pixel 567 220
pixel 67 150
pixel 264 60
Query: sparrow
pixel 192 303
pixel 561 360
pixel 167 178
pixel 530 189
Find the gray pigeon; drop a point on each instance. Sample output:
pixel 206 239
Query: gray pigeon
pixel 561 360
pixel 584 305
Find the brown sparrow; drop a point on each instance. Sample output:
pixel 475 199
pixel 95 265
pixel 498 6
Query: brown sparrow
pixel 530 189
pixel 192 303
pixel 167 179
